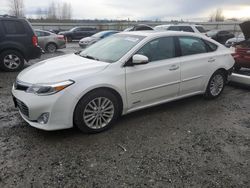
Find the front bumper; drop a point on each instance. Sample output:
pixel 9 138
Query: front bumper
pixel 59 106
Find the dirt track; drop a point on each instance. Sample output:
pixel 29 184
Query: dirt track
pixel 190 143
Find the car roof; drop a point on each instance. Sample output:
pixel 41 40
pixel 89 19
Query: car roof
pixel 44 31
pixel 153 33
pixel 167 25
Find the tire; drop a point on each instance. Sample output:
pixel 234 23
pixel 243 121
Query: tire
pixel 89 117
pixel 51 48
pixel 237 68
pixel 216 85
pixel 69 39
pixel 11 61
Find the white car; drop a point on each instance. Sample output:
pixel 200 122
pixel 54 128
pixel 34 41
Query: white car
pixel 232 41
pixel 118 75
pixel 181 27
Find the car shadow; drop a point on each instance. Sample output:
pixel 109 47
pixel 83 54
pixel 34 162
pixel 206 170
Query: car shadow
pixel 119 125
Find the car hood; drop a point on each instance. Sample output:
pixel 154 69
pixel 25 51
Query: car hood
pixel 60 69
pixel 88 39
pixel 63 32
pixel 245 28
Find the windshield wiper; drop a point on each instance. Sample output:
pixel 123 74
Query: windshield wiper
pixel 90 57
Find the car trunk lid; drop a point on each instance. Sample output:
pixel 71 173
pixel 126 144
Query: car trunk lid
pixel 245 28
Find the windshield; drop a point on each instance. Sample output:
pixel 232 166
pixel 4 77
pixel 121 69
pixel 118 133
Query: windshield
pixel 112 48
pixel 100 34
pixel 211 33
pixel 128 29
pixel 73 29
pixel 200 29
pixel 241 35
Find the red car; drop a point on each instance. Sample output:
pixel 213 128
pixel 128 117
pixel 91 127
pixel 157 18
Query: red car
pixel 242 49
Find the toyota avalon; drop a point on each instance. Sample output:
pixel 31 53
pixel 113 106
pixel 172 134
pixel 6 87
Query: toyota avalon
pixel 120 74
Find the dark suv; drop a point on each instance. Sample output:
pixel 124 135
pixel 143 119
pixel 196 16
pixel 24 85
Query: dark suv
pixel 78 33
pixel 18 42
pixel 220 36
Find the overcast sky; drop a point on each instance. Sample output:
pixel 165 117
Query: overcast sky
pixel 143 9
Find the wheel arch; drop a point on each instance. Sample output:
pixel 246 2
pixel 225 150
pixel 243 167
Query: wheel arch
pixel 51 42
pixel 224 71
pixel 14 49
pixel 107 88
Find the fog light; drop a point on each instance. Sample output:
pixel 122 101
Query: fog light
pixel 44 118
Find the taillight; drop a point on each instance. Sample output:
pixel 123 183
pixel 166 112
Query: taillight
pixel 35 40
pixel 61 37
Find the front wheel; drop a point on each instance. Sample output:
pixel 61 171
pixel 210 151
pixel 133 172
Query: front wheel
pixel 96 111
pixel 216 85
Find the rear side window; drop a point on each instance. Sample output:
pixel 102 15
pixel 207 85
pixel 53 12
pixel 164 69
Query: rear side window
pixel 191 46
pixel 211 46
pixel 200 29
pixel 13 27
pixel 42 34
pixel 186 29
pixel 46 34
pixel 223 32
pixel 87 29
pixel 159 49
pixel 174 28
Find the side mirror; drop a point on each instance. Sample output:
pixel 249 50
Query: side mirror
pixel 138 59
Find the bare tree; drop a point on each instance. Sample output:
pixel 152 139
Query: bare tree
pixel 66 11
pixel 51 13
pixel 217 16
pixel 59 11
pixel 16 8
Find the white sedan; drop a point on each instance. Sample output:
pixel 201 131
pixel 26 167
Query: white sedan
pixel 118 75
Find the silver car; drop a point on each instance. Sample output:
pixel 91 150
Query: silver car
pixel 50 42
pixel 87 41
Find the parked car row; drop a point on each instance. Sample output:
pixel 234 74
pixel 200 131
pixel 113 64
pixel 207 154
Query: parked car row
pixel 19 42
pixel 50 42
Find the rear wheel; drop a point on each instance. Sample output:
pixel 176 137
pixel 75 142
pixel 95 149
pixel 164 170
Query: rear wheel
pixel 51 48
pixel 216 85
pixel 96 111
pixel 69 39
pixel 11 60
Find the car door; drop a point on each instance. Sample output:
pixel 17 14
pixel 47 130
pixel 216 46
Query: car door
pixel 157 80
pixel 43 39
pixel 78 33
pixel 195 63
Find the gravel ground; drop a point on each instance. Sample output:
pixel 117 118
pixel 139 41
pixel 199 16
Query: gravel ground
pixel 189 143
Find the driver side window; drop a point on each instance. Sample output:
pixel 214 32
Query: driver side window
pixel 159 49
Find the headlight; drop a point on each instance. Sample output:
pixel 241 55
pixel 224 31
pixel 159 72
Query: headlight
pixel 49 89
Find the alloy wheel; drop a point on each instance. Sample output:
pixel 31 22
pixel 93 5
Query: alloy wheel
pixel 11 61
pixel 98 113
pixel 51 48
pixel 217 84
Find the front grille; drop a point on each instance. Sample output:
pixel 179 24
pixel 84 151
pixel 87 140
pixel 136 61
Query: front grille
pixel 22 107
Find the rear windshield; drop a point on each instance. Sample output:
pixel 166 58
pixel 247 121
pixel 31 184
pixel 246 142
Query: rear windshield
pixel 200 29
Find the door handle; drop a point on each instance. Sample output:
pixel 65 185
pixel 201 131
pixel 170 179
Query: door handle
pixel 211 60
pixel 173 67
